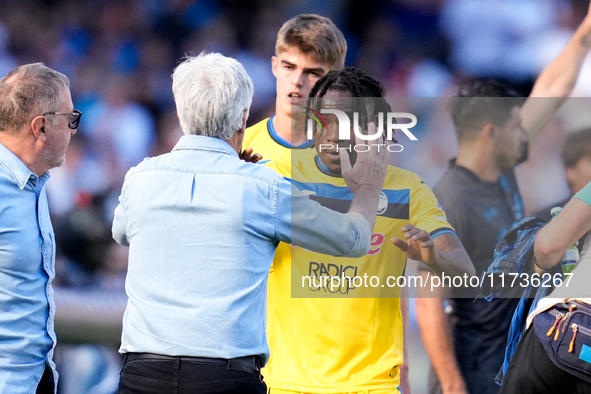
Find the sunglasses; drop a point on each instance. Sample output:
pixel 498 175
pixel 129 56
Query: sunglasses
pixel 75 116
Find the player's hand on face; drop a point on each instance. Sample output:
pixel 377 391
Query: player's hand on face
pixel 370 167
pixel 416 245
pixel 248 156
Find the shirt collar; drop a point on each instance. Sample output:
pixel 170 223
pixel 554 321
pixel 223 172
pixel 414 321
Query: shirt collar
pixel 502 178
pixel 18 170
pixel 201 142
pixel 283 142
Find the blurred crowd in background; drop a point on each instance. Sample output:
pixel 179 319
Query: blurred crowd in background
pixel 119 55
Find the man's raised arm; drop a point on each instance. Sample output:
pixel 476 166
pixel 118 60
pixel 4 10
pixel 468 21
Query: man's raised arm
pixel 556 82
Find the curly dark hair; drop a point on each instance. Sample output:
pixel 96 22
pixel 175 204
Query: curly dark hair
pixel 358 83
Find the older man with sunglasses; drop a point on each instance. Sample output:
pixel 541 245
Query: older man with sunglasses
pixel 37 120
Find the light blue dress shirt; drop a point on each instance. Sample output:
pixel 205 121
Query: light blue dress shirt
pixel 202 227
pixel 27 269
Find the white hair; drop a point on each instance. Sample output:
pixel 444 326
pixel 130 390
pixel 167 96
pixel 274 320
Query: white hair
pixel 211 92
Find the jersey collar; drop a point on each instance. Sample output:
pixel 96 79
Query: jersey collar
pixel 283 142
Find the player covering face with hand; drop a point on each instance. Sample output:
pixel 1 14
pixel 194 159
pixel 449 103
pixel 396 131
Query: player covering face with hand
pixel 350 339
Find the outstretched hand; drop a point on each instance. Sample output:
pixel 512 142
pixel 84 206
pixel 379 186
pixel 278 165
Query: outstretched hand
pixel 248 156
pixel 370 167
pixel 417 244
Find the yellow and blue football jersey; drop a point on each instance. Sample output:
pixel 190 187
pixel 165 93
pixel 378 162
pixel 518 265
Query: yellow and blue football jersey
pixel 263 138
pixel 328 340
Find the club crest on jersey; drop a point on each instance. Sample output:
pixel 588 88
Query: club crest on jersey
pixel 383 204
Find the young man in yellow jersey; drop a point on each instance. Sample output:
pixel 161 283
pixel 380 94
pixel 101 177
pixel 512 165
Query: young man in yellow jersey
pixel 308 46
pixel 349 338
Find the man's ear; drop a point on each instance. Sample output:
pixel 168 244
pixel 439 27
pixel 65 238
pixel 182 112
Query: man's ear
pixel 489 131
pixel 38 128
pixel 244 119
pixel 274 65
pixel 571 175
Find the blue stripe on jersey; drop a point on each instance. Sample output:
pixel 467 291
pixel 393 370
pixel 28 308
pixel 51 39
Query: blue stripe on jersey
pixel 283 142
pixel 442 231
pixel 343 193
